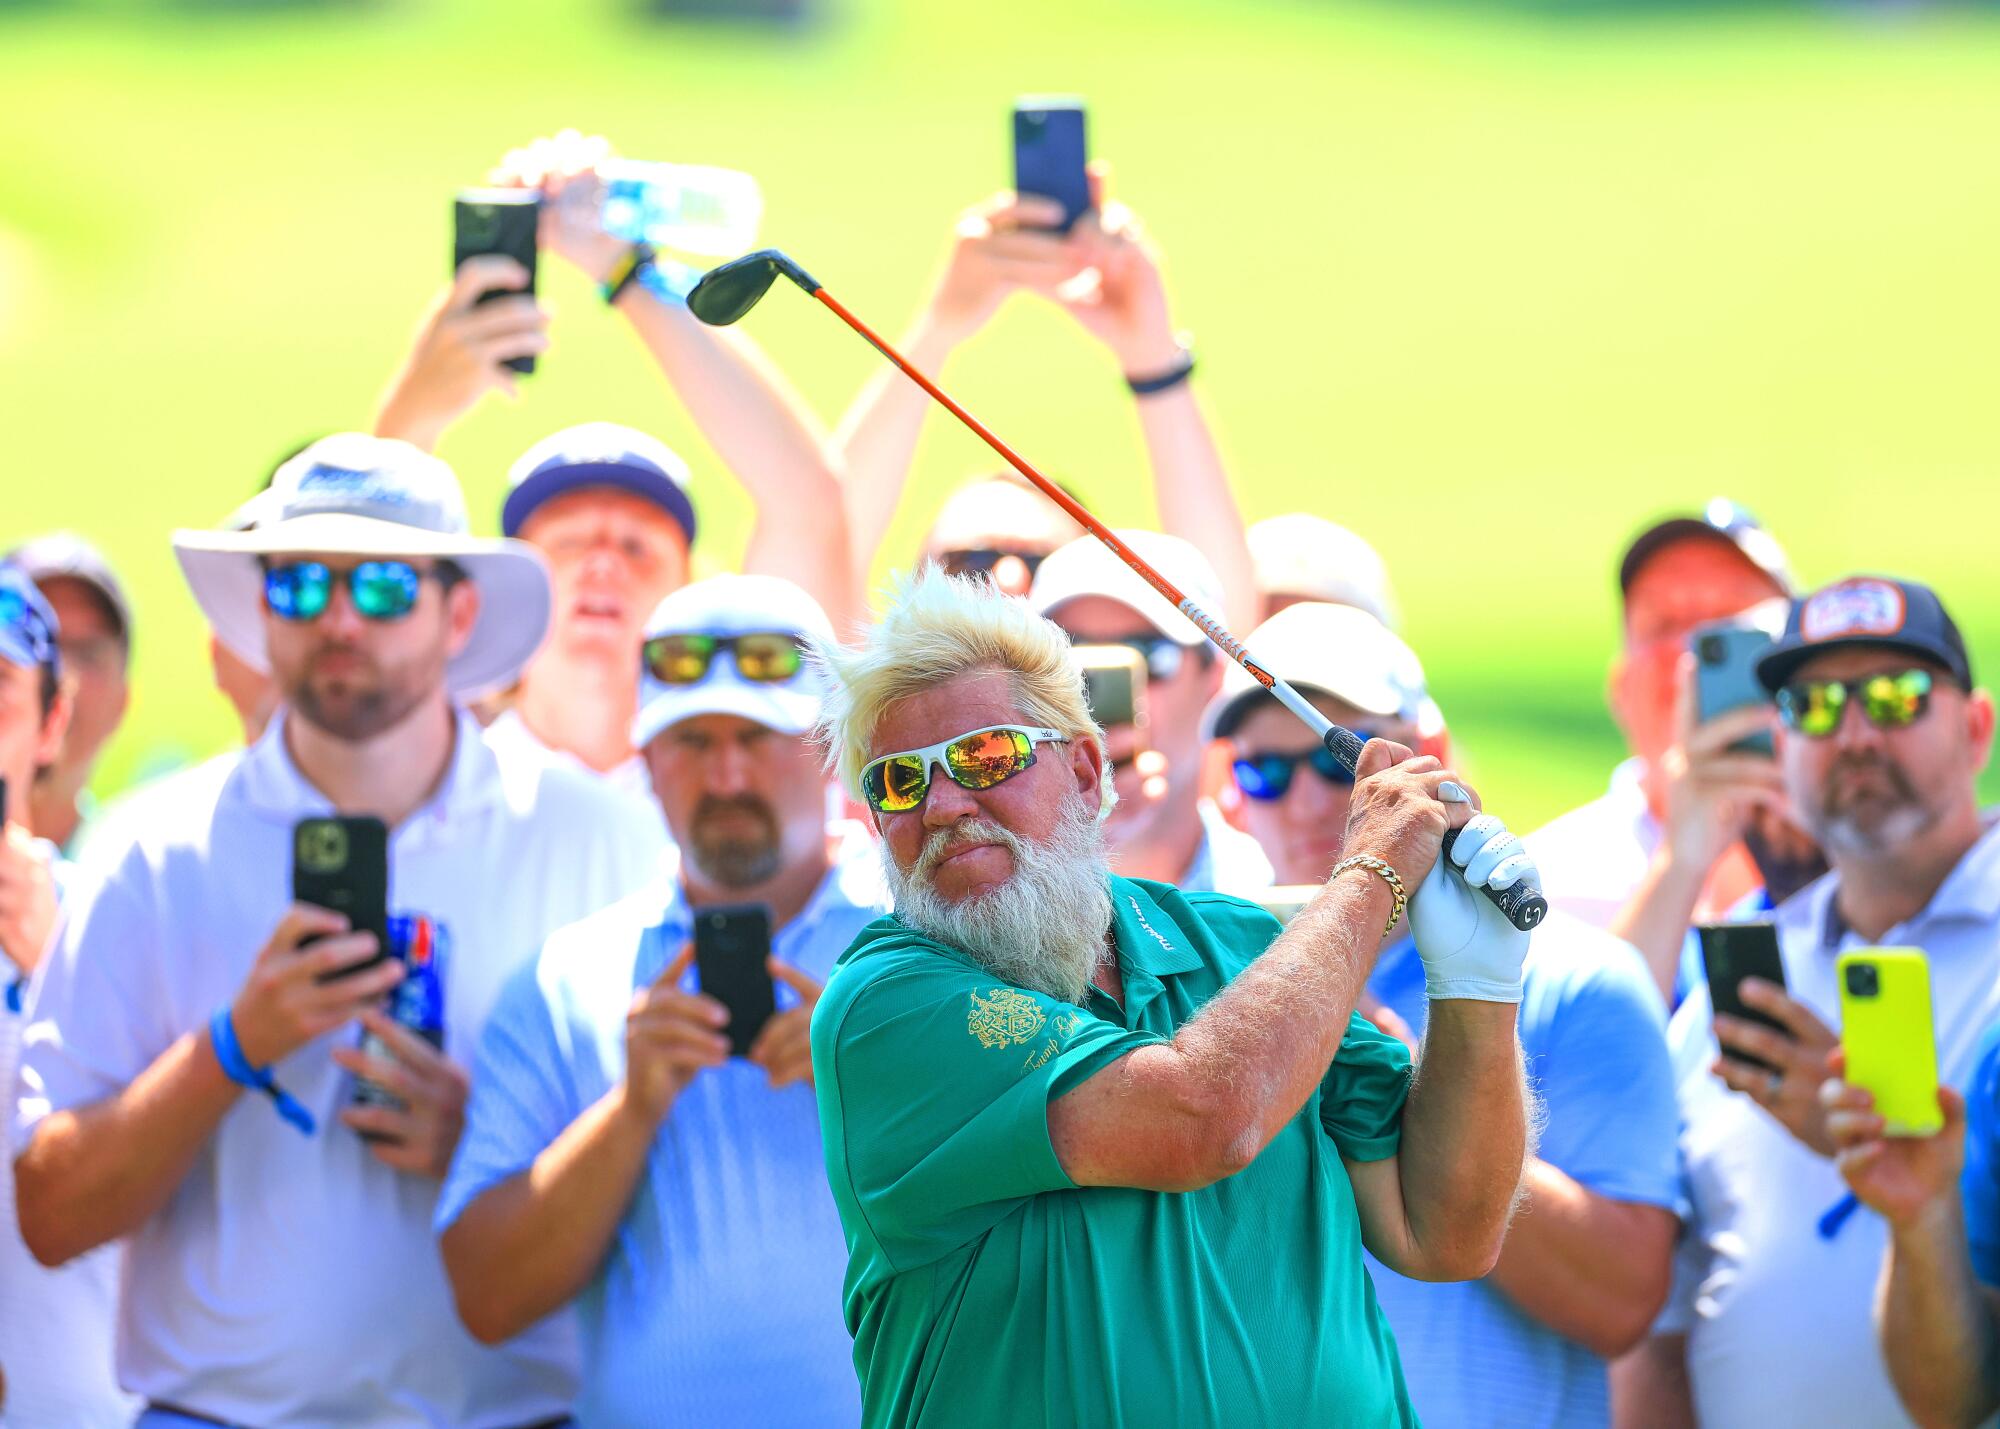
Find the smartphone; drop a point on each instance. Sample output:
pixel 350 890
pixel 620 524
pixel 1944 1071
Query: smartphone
pixel 1049 154
pixel 1731 952
pixel 1887 1031
pixel 1725 676
pixel 730 946
pixel 1114 683
pixel 500 221
pixel 341 863
pixel 3 802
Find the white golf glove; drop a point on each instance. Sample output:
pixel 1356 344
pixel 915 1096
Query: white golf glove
pixel 1469 948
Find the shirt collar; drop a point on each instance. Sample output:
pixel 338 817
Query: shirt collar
pixel 271 784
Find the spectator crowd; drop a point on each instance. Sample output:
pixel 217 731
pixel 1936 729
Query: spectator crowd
pixel 1127 1058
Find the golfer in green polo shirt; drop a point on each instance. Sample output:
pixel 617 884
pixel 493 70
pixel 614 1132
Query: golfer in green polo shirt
pixel 1108 1153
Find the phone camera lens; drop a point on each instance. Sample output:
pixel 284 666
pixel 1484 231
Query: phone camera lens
pixel 1863 980
pixel 1711 650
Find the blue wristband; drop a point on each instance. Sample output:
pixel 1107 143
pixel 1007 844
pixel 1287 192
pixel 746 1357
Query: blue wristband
pixel 236 1067
pixel 17 995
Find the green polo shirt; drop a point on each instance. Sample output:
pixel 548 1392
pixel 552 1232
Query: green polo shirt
pixel 984 1287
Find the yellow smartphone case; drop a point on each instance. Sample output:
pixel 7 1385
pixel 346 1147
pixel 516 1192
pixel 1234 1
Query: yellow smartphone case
pixel 1886 1028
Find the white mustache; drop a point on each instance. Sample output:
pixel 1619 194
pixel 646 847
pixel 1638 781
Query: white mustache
pixel 969 833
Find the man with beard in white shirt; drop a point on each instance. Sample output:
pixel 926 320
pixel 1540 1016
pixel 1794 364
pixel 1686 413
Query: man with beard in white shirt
pixel 278 1267
pixel 1882 736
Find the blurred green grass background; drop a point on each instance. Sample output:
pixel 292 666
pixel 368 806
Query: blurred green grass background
pixel 1491 287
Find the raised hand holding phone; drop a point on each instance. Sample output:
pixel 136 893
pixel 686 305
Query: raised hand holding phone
pixel 1900 1178
pixel 670 1037
pixel 295 994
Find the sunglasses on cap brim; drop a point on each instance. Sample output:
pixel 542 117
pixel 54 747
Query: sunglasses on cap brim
pixel 978 759
pixel 767 656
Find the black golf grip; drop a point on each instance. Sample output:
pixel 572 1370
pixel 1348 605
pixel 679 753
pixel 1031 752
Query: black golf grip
pixel 1522 904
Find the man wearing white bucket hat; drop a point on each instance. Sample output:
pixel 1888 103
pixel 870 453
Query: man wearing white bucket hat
pixel 614 1150
pixel 279 1268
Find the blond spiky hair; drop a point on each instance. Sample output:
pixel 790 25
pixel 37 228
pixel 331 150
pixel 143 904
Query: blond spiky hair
pixel 936 627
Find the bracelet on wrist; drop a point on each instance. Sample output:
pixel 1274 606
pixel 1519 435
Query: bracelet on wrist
pixel 1175 373
pixel 236 1066
pixel 1381 869
pixel 626 272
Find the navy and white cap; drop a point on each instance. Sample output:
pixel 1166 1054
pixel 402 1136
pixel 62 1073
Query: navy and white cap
pixel 28 626
pixel 598 454
pixel 375 498
pixel 1870 612
pixel 736 605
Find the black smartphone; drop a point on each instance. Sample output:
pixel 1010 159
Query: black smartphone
pixel 1725 676
pixel 3 801
pixel 500 221
pixel 341 863
pixel 1731 952
pixel 1114 683
pixel 1050 154
pixel 730 946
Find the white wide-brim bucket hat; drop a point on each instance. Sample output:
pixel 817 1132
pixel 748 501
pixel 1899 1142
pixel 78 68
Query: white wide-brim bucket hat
pixel 373 498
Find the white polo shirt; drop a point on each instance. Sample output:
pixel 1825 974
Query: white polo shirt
pixel 511 733
pixel 1775 1285
pixel 293 1280
pixel 1593 858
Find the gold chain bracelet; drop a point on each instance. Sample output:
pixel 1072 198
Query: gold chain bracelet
pixel 1381 869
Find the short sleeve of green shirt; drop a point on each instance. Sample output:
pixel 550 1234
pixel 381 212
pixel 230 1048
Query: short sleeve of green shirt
pixel 1362 1095
pixel 952 1073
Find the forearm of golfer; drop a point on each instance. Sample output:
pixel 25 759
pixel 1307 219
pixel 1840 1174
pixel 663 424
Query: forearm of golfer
pixel 1438 1209
pixel 1593 1269
pixel 1191 1112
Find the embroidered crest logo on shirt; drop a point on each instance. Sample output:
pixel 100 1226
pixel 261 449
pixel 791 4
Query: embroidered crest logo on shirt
pixel 1004 1018
pixel 1853 608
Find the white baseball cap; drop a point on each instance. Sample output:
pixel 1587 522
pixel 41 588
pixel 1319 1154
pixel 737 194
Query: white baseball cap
pixel 1337 650
pixel 1086 566
pixel 353 494
pixel 723 606
pixel 1310 557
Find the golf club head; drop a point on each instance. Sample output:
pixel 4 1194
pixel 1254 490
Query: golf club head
pixel 729 290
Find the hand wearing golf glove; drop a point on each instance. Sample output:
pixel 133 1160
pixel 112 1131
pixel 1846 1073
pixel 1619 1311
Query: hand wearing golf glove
pixel 1468 947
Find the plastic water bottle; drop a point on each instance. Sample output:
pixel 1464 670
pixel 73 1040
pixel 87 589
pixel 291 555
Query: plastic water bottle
pixel 689 207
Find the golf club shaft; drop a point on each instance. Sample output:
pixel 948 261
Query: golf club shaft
pixel 1522 904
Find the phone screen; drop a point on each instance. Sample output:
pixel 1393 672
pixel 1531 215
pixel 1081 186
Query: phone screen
pixel 1114 683
pixel 1731 952
pixel 1050 154
pixel 730 946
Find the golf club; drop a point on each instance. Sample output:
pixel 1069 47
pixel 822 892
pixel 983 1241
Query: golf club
pixel 730 290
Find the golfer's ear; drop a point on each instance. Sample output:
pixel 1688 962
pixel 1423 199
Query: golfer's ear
pixel 1086 762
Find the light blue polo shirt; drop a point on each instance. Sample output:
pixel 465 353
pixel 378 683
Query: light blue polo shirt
pixel 719 1301
pixel 1594 1035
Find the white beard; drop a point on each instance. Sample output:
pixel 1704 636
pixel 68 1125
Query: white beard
pixel 1044 928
